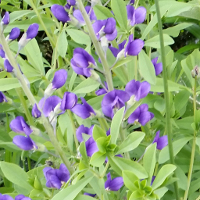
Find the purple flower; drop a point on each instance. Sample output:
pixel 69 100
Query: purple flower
pixel 152 180
pixel 88 194
pixel 115 51
pixel 113 184
pixel 161 141
pixel 78 15
pixel 102 90
pixel 141 114
pixel 135 16
pixel 22 197
pixel 35 112
pixel 71 2
pixel 82 129
pixel 158 66
pixel 24 142
pixel 69 101
pixel 138 89
pixel 2 53
pixel 106 28
pixel 81 61
pixel 14 34
pixel 91 146
pixel 132 1
pixel 83 110
pixel 19 125
pixel 32 31
pixel 8 67
pixel 59 79
pixel 49 104
pixel 5 197
pixel 60 13
pixel 2 97
pixel 6 19
pixel 133 47
pixel 113 99
pixel 55 177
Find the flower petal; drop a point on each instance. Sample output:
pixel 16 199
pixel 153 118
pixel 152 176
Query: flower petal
pixel 140 15
pixel 60 13
pixel 59 79
pixel 32 31
pixel 25 143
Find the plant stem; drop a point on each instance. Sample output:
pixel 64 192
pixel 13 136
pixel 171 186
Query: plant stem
pixel 32 100
pixel 98 48
pixel 193 143
pixel 42 23
pixel 105 170
pixel 166 94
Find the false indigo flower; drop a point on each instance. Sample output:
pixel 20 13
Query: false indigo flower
pixel 60 13
pixel 5 197
pixel 133 47
pixel 132 1
pixel 22 197
pixel 8 67
pixel 91 146
pixel 31 33
pixel 19 125
pixel 69 101
pixel 2 52
pixel 14 34
pixel 83 110
pixel 78 15
pixel 105 28
pixel 55 177
pixel 161 141
pixel 6 19
pixel 59 79
pixel 138 89
pixel 102 90
pixel 82 129
pixel 115 51
pixel 113 184
pixel 2 97
pixel 25 143
pixel 88 194
pixel 113 99
pixel 35 112
pixel 141 114
pixel 81 61
pixel 158 66
pixel 135 16
pixel 71 2
pixel 49 104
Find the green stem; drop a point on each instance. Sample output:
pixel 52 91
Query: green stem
pixel 98 48
pixel 74 128
pixel 166 93
pixel 29 163
pixel 105 170
pixel 32 100
pixel 42 23
pixel 193 143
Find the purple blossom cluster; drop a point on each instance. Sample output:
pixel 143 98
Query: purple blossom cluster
pixel 18 197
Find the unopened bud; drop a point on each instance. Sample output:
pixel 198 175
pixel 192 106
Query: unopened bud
pixel 195 72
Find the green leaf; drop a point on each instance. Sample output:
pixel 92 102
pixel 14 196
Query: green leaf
pixel 155 41
pixel 177 146
pixel 98 132
pixel 79 36
pixel 119 9
pixel 9 83
pixel 16 175
pixel 146 68
pixel 98 159
pixel 62 44
pixel 72 191
pixel 86 86
pixel 129 179
pixel 164 172
pixel 161 191
pixel 149 161
pixel 131 142
pixel 119 164
pixel 115 125
pixel 83 152
pixel 34 55
pixel 102 12
pixel 102 143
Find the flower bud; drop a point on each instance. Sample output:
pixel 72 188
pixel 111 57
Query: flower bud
pixel 8 67
pixel 35 112
pixel 14 34
pixel 6 19
pixel 195 72
pixel 2 98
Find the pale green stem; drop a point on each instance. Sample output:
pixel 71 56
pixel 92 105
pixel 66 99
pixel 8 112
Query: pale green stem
pixel 97 45
pixel 105 170
pixel 166 94
pixel 74 128
pixel 42 23
pixel 32 100
pixel 193 143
